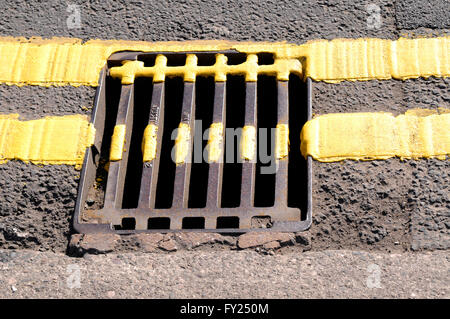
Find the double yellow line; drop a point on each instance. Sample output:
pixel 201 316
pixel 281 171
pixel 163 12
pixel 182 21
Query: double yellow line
pixel 332 137
pixel 51 140
pixel 64 61
pixel 366 136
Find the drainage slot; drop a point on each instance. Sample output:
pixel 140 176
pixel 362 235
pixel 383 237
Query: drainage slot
pixel 128 223
pixel 142 100
pixel 236 58
pixel 204 99
pixel 148 59
pixel 158 223
pixel 265 58
pixel 232 169
pixel 193 223
pixel 228 222
pixel 297 168
pixel 267 120
pixel 113 63
pixel 206 59
pixel 267 117
pixel 96 195
pixel 176 59
pixel 172 116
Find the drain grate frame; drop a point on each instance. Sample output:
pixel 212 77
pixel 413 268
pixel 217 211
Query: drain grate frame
pixel 212 218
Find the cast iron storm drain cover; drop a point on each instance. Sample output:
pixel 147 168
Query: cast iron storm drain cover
pixel 140 176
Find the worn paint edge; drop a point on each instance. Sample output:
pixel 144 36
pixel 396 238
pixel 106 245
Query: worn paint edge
pixel 371 136
pixel 281 141
pixel 149 143
pixel 182 143
pixel 117 143
pixel 215 142
pixel 68 61
pixel 50 140
pixel 248 143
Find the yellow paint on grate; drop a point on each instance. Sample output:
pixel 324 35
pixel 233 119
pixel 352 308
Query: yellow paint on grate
pixel 367 136
pixel 182 143
pixel 117 143
pixel 51 140
pixel 63 61
pixel 250 69
pixel 281 141
pixel 149 143
pixel 248 143
pixel 215 142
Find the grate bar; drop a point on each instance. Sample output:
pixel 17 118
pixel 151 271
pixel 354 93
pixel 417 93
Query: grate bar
pixel 150 168
pixel 183 146
pixel 281 177
pixel 118 168
pixel 215 174
pixel 145 217
pixel 248 145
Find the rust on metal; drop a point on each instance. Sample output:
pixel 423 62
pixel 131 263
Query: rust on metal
pixel 113 216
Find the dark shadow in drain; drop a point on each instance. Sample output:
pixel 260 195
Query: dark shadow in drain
pixel 96 193
pixel 224 222
pixel 267 120
pixel 236 58
pixel 193 223
pixel 172 116
pixel 297 169
pixel 265 58
pixel 204 100
pixel 143 88
pixel 232 171
pixel 158 223
pixel 128 223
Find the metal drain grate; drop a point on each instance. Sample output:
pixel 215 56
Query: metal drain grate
pixel 128 181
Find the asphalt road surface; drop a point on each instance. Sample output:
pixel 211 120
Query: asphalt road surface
pixel 388 217
pixel 231 274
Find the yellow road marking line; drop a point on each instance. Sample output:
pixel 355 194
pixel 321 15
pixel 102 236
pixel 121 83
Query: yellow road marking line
pixel 367 136
pixel 65 61
pixel 51 140
pixel 327 138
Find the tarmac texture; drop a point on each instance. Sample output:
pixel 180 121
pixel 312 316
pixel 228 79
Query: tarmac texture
pixel 397 210
pixel 353 274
